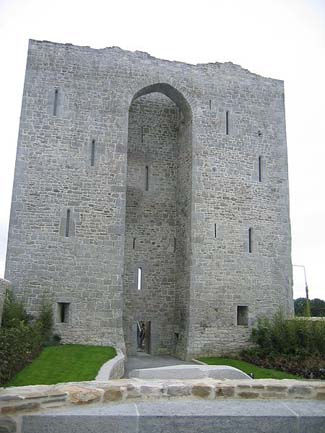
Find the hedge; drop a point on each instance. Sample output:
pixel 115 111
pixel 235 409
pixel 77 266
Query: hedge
pixel 21 341
pixel 290 337
pixel 295 345
pixel 18 346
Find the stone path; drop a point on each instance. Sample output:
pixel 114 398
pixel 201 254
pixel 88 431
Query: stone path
pixel 144 360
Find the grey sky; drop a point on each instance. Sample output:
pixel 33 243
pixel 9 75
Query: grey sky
pixel 282 39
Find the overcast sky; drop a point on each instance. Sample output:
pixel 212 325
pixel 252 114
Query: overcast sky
pixel 282 39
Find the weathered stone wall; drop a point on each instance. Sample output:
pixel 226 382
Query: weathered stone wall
pixel 4 286
pixel 263 402
pixel 71 172
pixel 228 199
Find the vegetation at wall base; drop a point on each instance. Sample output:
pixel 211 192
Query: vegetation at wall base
pixel 64 363
pixel 295 345
pixel 18 346
pixel 284 348
pixel 309 367
pixel 21 337
pixel 14 312
pixel 249 368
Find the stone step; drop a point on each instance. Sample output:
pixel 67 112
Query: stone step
pixel 186 416
pixel 189 372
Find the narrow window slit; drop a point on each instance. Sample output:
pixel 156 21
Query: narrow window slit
pixel 227 122
pixel 210 104
pixel 63 312
pixel 215 230
pixel 92 153
pixel 250 239
pixel 260 169
pixel 55 105
pixel 139 283
pixel 67 224
pixel 174 245
pixel 142 134
pixel 147 178
pixel 134 243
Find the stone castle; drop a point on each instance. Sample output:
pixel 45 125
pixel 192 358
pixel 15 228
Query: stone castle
pixel 150 191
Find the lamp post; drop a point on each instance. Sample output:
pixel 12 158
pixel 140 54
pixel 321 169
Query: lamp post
pixel 306 288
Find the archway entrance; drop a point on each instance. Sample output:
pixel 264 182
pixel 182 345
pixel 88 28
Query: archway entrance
pixel 157 226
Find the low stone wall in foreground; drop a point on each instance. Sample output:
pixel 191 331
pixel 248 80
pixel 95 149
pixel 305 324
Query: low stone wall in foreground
pixel 18 401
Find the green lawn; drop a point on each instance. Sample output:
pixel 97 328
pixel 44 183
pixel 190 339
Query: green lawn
pixel 66 363
pixel 246 367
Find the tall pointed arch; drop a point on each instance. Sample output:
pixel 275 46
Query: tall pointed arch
pixel 158 215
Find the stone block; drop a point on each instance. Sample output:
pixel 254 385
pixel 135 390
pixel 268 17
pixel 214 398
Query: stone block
pixel 25 407
pixel 247 394
pixel 82 424
pixel 216 416
pixel 300 391
pixel 113 394
pixel 224 391
pixel 79 395
pixel 270 394
pixel 177 390
pixel 7 425
pixel 151 390
pixel 320 396
pixel 276 388
pixel 184 416
pixel 133 391
pixel 190 372
pixel 202 391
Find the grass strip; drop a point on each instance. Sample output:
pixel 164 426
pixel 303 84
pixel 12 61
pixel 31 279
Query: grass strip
pixel 64 363
pixel 248 368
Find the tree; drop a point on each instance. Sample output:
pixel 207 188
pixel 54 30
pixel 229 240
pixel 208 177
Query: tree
pixel 317 307
pixel 13 311
pixel 300 306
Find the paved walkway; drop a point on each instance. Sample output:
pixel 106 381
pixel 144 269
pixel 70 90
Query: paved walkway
pixel 144 360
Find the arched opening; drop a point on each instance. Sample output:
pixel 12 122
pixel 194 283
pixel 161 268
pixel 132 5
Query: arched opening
pixel 158 216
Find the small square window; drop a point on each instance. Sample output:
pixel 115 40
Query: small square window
pixel 242 315
pixel 63 312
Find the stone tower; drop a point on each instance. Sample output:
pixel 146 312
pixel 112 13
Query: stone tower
pixel 150 191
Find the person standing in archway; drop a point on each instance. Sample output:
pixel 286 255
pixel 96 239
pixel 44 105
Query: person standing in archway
pixel 142 335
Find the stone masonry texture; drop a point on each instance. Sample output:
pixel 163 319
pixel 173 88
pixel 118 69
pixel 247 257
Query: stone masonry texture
pixel 126 164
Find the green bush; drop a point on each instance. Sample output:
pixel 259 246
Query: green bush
pixel 294 345
pixel 45 322
pixel 20 341
pixel 13 311
pixel 290 337
pixel 18 346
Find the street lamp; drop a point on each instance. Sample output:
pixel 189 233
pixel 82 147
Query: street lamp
pixel 306 288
